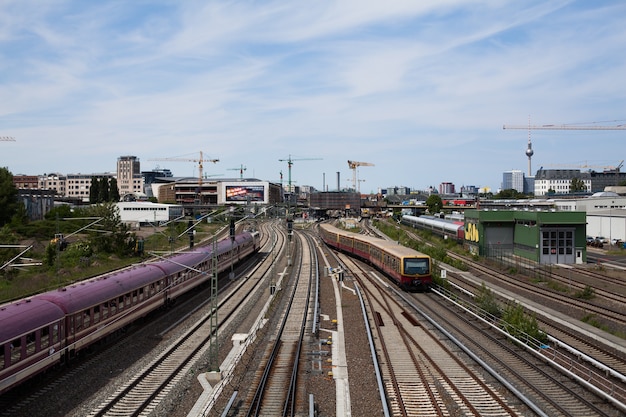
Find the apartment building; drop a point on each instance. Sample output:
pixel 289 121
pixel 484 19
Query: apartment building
pixel 129 177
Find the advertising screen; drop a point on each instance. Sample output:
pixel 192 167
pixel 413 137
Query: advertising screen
pixel 252 193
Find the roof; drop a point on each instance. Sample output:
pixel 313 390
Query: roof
pixel 604 194
pixel 25 315
pixel 391 247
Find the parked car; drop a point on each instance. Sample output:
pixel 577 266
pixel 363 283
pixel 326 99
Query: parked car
pixel 590 240
pixel 616 242
pixel 602 239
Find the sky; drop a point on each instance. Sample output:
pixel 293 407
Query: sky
pixel 419 89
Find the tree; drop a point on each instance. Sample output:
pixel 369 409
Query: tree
pixel 9 202
pixel 93 191
pixel 114 193
pixel 103 190
pixel 434 203
pixel 114 236
pixel 510 193
pixel 577 185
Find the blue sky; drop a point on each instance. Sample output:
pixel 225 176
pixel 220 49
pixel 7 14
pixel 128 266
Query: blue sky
pixel 421 89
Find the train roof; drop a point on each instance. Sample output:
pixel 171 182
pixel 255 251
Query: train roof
pixel 85 294
pixel 390 246
pixel 26 315
pixel 445 224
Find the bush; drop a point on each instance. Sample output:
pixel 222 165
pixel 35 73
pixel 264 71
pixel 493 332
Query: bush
pixel 487 301
pixel 521 325
pixel 586 294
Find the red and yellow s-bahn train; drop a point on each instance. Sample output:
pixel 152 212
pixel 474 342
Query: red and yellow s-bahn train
pixel 408 268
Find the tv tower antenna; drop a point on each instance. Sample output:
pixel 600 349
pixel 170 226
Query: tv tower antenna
pixel 529 150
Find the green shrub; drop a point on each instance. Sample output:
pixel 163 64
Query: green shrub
pixel 486 300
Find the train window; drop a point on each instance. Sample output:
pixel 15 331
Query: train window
pixel 414 266
pixel 45 337
pixel 96 314
pixel 135 297
pixel 2 356
pixel 31 343
pixel 78 322
pixel 87 317
pixel 16 350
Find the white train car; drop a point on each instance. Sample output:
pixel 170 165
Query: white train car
pixel 449 229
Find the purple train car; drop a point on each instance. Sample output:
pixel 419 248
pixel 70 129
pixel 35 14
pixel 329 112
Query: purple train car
pixel 49 328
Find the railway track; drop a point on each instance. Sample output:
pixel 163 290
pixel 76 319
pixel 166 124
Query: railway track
pixel 571 337
pixel 552 392
pixel 276 392
pixel 581 278
pixel 614 314
pixel 144 391
pixel 422 376
pixel 564 351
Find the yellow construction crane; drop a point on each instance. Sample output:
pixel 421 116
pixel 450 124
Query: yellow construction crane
pixel 200 166
pixel 354 165
pixel 241 169
pixel 290 163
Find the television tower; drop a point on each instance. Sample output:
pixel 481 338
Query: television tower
pixel 529 154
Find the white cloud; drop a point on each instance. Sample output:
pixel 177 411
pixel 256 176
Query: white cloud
pixel 415 87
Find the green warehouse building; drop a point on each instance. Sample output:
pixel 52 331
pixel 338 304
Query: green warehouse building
pixel 546 237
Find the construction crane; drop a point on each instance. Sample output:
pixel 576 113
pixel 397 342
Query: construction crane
pixel 7 139
pixel 290 161
pixel 241 169
pixel 587 166
pixel 564 127
pixel 200 167
pixel 354 165
pixel 529 127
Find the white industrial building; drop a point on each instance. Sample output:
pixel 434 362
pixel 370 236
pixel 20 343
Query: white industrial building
pixel 606 213
pixel 138 213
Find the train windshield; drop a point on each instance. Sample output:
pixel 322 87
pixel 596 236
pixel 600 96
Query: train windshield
pixel 413 266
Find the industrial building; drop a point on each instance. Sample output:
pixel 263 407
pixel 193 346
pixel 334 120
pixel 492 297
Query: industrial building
pixel 187 190
pixel 546 237
pixel 340 202
pixel 139 213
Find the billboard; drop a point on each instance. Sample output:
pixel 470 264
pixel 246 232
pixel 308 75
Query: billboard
pixel 243 193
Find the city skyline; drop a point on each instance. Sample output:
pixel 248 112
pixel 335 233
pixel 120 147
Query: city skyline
pixel 420 90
